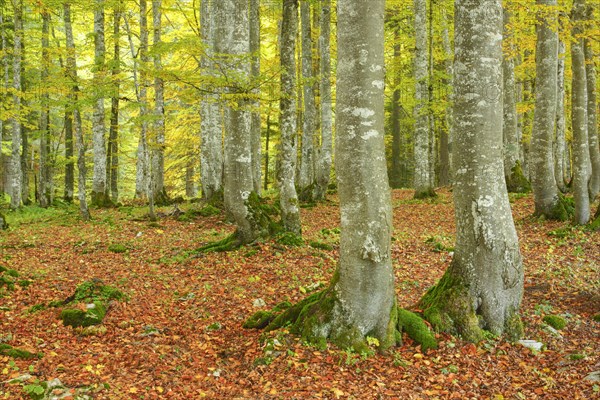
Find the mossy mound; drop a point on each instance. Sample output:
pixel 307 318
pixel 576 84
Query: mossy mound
pixel 8 350
pixel 424 194
pixel 75 317
pixel 290 239
pixel 555 321
pixel 8 278
pixel 95 290
pixel 516 182
pixel 320 245
pixel 117 248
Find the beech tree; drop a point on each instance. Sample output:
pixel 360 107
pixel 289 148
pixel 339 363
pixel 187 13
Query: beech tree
pixel 483 285
pixel 560 151
pixel 592 104
pixel 157 142
pixel 17 172
pixel 44 186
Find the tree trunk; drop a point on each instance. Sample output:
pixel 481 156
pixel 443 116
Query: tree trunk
pixel 290 212
pixel 6 83
pixel 44 192
pixel 581 151
pixel 306 179
pixel 592 113
pixel 157 142
pixel 548 203
pixel 484 284
pixel 515 180
pixel 112 158
pixel 191 190
pixel 559 141
pixel 396 166
pixel 255 72
pixel 446 135
pixel 211 123
pixel 324 163
pixel 423 184
pixel 17 173
pixel 76 121
pixel 99 188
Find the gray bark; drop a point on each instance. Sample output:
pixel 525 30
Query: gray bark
pixel 142 165
pixel 592 113
pixel 290 212
pixel 307 159
pixel 423 179
pixel 16 172
pixel 484 284
pixel 112 157
pixel 559 142
pixel 255 71
pixel 44 186
pixel 211 123
pixel 581 151
pixel 325 162
pixel 99 188
pixel 76 121
pixel 545 192
pixel 157 139
pixel 446 139
pixel 365 289
pixel 509 122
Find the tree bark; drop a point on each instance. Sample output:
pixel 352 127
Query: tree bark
pixel 548 203
pixel 211 123
pixel 99 187
pixel 157 139
pixel 112 158
pixel 17 172
pixel 396 165
pixel 290 212
pixel 581 151
pixel 76 116
pixel 592 113
pixel 559 142
pixel 255 72
pixel 325 162
pixel 423 179
pixel 484 284
pixel 44 187
pixel 445 177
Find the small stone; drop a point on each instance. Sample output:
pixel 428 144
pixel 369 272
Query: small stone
pixel 532 344
pixel 594 376
pixel 259 303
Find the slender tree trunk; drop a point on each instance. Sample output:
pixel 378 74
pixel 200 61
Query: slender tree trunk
pixel 559 141
pixel 6 83
pixel 267 143
pixel 290 212
pixel 112 158
pixel 191 190
pixel 255 72
pixel 44 186
pixel 446 135
pixel 307 161
pixel 423 184
pixel 396 167
pixel 17 173
pixel 592 112
pixel 99 187
pixel 484 284
pixel 581 151
pixel 325 160
pixel 157 144
pixel 546 196
pixel 76 121
pixel 211 123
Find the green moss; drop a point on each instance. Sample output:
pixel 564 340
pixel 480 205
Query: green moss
pixel 290 239
pixel 229 243
pixel 7 282
pixel 596 317
pixel 259 320
pixel 284 305
pixel 425 194
pixel 36 308
pixel 92 290
pixel 3 269
pixel 595 224
pixel 513 328
pixel 416 329
pixel 517 182
pixel 12 272
pixel 92 316
pixel 24 283
pixel 562 210
pixel 320 245
pixel 209 210
pixel 8 350
pixel 555 321
pixel 117 248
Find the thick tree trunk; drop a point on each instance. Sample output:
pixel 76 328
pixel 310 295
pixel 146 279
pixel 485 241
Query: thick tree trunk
pixel 290 212
pixel 515 180
pixel 323 172
pixel 548 203
pixel 211 123
pixel 255 72
pixel 484 284
pixel 306 180
pixel 99 188
pixel 157 142
pixel 447 135
pixel 423 179
pixel 592 112
pixel 559 141
pixel 581 151
pixel 44 187
pixel 112 158
pixel 16 172
pixel 76 116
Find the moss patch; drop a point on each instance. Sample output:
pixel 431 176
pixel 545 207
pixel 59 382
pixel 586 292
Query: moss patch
pixel 117 248
pixel 416 329
pixel 259 320
pixel 75 317
pixel 516 182
pixel 320 245
pixel 290 239
pixel 425 194
pixel 555 321
pixel 8 350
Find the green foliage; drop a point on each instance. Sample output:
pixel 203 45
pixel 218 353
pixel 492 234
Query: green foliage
pixel 416 329
pixel 117 248
pixel 290 239
pixel 555 321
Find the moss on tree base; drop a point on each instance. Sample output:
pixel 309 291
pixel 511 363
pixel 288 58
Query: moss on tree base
pixel 425 194
pixel 101 200
pixel 595 225
pixel 563 210
pixel 516 182
pixel 230 243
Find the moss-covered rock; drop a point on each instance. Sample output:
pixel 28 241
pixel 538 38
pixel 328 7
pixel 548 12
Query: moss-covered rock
pixel 93 315
pixel 94 290
pixel 8 350
pixel 416 329
pixel 555 321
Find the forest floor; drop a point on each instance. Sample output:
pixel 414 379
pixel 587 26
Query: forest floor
pixel 179 334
